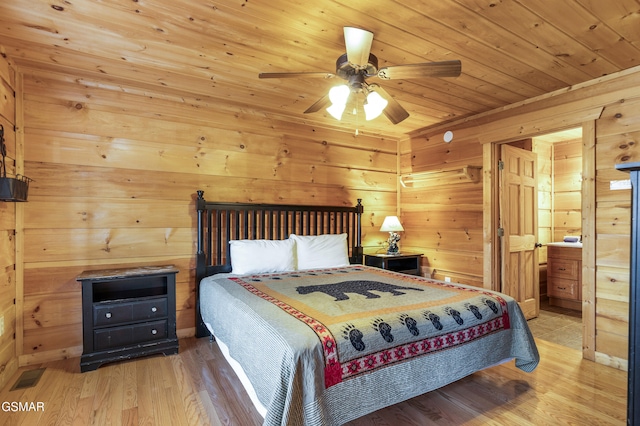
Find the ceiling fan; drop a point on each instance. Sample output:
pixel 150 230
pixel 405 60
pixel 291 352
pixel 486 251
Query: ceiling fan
pixel 359 64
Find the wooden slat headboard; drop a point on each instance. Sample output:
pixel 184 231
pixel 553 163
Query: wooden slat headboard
pixel 218 223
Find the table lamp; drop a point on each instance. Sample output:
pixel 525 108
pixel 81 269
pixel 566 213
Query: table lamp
pixel 392 225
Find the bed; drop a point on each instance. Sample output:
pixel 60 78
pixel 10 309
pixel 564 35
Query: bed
pixel 316 337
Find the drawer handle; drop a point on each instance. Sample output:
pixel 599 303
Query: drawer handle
pixel 107 315
pixel 562 269
pixel 154 331
pixel 154 309
pixel 562 288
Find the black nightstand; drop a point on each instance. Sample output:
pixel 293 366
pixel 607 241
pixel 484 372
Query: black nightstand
pixel 127 313
pixel 407 263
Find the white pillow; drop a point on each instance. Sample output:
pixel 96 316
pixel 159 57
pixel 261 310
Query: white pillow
pixel 262 256
pixel 321 251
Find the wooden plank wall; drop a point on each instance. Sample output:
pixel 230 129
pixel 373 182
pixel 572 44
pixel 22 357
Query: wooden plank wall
pixel 567 194
pixel 116 168
pixel 614 103
pixel 442 209
pixel 8 359
pixel 545 205
pixel 617 141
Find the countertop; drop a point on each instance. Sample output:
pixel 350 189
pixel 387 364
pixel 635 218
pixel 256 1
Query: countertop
pixel 563 244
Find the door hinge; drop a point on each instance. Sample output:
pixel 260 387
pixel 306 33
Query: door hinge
pixel 500 232
pixel 500 165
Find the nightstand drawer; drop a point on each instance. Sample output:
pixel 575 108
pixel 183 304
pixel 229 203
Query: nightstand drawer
pixel 106 314
pixel 114 337
pixel 150 309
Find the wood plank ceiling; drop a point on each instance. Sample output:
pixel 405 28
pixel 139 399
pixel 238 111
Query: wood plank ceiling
pixel 212 51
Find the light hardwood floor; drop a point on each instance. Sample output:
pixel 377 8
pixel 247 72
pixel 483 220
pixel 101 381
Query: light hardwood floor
pixel 198 387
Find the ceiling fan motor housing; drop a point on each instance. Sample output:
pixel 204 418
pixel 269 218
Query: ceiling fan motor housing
pixel 345 69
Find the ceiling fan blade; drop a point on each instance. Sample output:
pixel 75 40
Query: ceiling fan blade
pixel 427 69
pixel 394 111
pixel 358 43
pixel 321 103
pixel 296 75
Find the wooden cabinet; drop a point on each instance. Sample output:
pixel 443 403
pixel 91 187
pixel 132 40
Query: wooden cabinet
pixel 127 313
pixel 405 263
pixel 564 276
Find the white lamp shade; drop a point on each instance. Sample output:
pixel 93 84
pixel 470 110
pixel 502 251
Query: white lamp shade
pixel 339 97
pixel 374 106
pixel 391 224
pixel 336 111
pixel 339 94
pixel 358 43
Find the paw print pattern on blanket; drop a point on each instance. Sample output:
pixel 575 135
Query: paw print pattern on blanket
pixel 474 310
pixel 410 323
pixel 455 314
pixel 351 333
pixel 491 304
pixel 384 328
pixel 435 319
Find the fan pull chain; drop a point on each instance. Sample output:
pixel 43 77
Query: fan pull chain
pixel 355 112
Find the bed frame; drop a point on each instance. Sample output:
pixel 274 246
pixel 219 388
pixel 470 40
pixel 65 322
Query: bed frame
pixel 218 223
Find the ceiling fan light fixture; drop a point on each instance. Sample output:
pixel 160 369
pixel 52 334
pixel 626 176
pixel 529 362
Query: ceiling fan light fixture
pixel 358 43
pixel 374 106
pixel 338 95
pixel 336 111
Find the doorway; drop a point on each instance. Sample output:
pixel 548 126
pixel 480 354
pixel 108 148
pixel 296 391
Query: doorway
pixel 491 247
pixel 558 212
pixel 560 231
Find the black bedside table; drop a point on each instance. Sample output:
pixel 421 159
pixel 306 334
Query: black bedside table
pixel 406 263
pixel 127 313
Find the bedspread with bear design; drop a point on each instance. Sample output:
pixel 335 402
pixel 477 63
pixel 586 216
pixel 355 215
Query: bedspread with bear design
pixel 366 319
